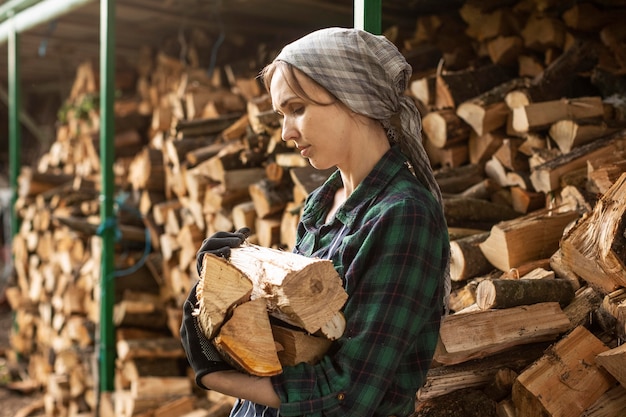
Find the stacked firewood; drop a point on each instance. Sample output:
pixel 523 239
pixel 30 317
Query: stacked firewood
pixel 523 119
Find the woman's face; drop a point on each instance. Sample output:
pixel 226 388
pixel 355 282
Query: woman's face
pixel 322 133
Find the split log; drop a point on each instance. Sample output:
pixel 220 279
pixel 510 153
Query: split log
pixel 611 403
pixel 164 347
pixel 458 179
pixel 298 347
pixel 306 179
pixel 442 380
pixel 462 337
pixel 466 258
pixel 508 243
pixel 482 148
pixel 525 201
pixel 557 79
pixel 444 128
pixel 614 361
pixel 565 381
pixel 489 111
pixel 603 173
pixel 221 288
pixel 146 171
pixel 595 247
pixel 270 197
pixel 249 322
pixel 580 310
pixel 505 293
pixel 540 115
pixel 206 126
pixel 569 133
pixel 456 87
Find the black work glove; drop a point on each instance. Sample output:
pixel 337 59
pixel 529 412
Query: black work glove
pixel 201 354
pixel 220 244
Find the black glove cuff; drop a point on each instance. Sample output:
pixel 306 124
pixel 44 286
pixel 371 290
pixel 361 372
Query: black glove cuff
pixel 214 367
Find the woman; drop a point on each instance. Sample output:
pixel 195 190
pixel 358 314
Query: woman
pixel 378 218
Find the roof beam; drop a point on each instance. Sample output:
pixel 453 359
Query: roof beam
pixel 36 14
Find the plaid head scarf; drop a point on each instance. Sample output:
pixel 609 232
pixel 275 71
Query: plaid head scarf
pixel 369 75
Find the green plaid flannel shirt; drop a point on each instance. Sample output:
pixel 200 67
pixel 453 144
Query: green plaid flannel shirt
pixel 389 243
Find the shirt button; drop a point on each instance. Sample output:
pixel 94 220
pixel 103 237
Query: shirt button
pixel 341 396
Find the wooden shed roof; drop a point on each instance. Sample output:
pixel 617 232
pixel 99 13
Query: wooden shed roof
pixel 51 52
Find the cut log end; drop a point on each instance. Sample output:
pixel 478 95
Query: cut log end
pixel 221 287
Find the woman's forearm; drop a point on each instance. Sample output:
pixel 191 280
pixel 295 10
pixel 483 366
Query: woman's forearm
pixel 239 385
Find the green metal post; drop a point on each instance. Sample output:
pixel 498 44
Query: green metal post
pixel 368 15
pixel 14 122
pixel 108 227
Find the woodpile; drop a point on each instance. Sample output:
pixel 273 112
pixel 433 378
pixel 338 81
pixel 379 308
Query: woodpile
pixel 524 117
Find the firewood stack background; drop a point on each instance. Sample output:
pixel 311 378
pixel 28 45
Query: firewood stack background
pixel 524 119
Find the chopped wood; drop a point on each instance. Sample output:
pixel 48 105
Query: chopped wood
pixel 455 87
pixel 461 339
pixel 611 403
pixel 541 115
pixel 299 347
pixel 149 348
pixel 466 258
pixel 444 128
pixel 504 293
pixel 507 245
pixel 569 133
pixel 614 361
pixel 442 380
pixel 594 248
pixel 249 321
pixel 222 287
pixel 301 291
pixel 565 381
pixel 476 213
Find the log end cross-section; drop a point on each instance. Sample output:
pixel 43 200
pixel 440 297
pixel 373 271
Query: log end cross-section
pixel 221 287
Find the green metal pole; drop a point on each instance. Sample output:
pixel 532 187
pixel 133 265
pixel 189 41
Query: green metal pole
pixel 14 122
pixel 368 15
pixel 108 226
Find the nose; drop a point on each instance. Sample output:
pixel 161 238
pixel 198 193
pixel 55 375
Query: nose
pixel 289 131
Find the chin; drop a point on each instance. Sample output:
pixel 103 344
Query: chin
pixel 317 165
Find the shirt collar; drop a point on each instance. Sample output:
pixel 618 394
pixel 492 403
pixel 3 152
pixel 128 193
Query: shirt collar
pixel 372 185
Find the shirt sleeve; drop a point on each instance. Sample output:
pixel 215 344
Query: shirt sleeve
pixel 394 264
